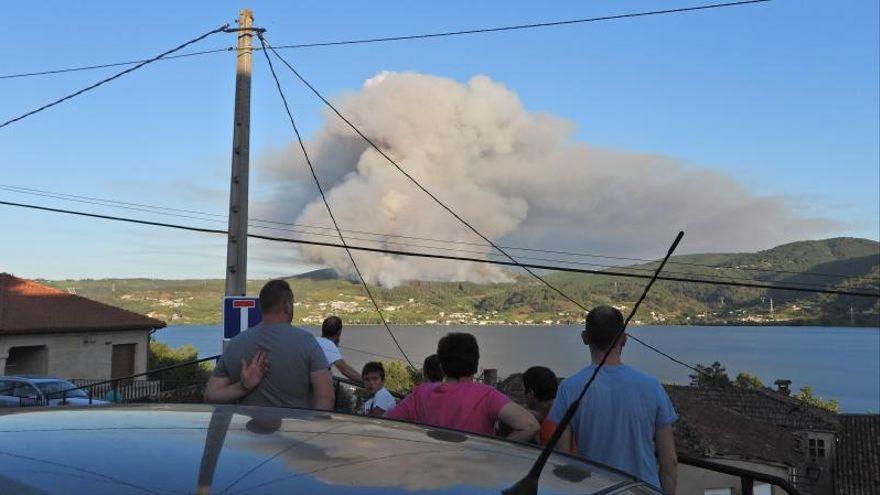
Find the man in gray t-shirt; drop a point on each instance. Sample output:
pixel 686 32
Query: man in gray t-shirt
pixel 299 375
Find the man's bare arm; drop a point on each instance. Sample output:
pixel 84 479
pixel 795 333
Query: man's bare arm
pixel 348 371
pixel 322 390
pixel 220 389
pixel 665 442
pixel 520 420
pixel 564 444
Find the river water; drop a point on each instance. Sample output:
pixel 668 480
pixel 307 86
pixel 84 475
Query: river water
pixel 839 363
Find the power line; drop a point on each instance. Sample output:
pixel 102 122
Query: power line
pixel 551 260
pixel 412 245
pixel 327 203
pixel 518 26
pixel 147 207
pixel 404 37
pixel 439 256
pixel 115 76
pixel 113 64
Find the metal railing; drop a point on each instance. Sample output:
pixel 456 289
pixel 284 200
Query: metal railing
pixel 746 477
pixel 349 395
pixel 129 389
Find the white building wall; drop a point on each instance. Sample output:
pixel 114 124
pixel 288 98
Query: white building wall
pixel 694 480
pixel 80 354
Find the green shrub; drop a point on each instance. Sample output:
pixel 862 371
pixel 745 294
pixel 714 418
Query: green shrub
pixel 161 355
pixel 806 396
pixel 748 381
pixel 714 376
pixel 398 377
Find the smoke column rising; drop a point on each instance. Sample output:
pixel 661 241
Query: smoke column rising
pixel 518 177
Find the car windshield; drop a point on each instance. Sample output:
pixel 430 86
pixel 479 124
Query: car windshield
pixel 53 390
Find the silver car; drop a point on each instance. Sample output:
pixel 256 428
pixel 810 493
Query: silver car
pixel 18 391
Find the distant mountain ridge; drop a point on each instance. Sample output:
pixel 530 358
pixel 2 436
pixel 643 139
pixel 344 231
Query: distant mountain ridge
pixel 844 262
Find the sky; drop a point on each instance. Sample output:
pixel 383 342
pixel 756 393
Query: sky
pixel 781 97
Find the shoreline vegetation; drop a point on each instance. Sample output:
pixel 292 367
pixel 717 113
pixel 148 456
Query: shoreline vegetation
pixel 847 263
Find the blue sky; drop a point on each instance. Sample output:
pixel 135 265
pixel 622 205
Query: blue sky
pixel 781 96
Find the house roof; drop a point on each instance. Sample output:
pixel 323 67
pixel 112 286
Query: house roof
pixel 763 405
pixel 857 469
pixel 708 429
pixel 29 307
pixel 705 429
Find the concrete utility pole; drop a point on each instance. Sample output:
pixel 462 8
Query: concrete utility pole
pixel 236 247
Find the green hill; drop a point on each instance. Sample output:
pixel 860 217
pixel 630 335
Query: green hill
pixel 841 262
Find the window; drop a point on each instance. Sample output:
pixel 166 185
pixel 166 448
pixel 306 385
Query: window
pixel 25 391
pixel 59 389
pixel 6 387
pixel 817 447
pixel 762 489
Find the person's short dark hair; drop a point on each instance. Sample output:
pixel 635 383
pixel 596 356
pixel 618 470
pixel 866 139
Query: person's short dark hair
pixel 603 323
pixel 374 367
pixel 331 327
pixel 541 381
pixel 431 369
pixel 274 294
pixel 459 354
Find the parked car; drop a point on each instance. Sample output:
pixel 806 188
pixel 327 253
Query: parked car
pixel 22 391
pixel 182 448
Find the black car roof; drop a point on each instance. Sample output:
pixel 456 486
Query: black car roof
pixel 240 449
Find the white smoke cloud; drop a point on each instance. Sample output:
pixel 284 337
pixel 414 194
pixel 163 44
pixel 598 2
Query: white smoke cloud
pixel 517 176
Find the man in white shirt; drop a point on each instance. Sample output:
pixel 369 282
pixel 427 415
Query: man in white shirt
pixel 380 399
pixel 331 332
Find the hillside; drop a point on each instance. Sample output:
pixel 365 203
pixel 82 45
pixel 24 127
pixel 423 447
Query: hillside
pixel 837 262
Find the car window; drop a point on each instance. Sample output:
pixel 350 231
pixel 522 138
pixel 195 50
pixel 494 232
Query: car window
pixel 6 387
pixel 57 389
pixel 25 390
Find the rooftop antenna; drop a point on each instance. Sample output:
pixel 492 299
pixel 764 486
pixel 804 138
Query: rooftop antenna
pixel 529 484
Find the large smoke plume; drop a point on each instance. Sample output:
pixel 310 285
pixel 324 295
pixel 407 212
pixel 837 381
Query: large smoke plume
pixel 518 176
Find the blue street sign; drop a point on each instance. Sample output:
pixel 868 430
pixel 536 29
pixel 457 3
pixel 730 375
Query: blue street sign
pixel 239 314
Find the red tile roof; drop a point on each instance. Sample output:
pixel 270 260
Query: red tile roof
pixel 29 307
pixel 857 470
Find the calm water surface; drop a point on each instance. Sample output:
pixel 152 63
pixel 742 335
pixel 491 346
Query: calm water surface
pixel 840 363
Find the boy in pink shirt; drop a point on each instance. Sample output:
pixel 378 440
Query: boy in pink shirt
pixel 458 402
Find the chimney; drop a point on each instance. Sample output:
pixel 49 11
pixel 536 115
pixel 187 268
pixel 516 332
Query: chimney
pixel 490 376
pixel 783 386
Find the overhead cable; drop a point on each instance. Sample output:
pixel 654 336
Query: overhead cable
pixel 443 257
pixel 161 211
pixel 255 221
pixel 385 39
pixel 115 76
pixel 327 203
pixel 113 64
pixel 520 26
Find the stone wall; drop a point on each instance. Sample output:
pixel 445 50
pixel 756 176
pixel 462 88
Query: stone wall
pixel 79 354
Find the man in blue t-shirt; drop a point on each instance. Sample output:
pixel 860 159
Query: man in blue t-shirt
pixel 625 419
